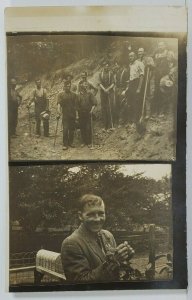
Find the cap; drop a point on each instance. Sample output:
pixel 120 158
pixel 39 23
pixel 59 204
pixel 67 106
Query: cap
pixel 68 76
pixel 44 115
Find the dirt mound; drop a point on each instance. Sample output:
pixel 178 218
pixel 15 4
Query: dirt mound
pixel 124 143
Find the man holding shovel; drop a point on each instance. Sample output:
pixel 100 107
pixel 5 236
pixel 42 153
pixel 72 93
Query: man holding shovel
pixel 86 103
pixel 107 96
pixel 137 69
pixel 14 100
pixel 121 87
pixel 66 106
pixel 149 82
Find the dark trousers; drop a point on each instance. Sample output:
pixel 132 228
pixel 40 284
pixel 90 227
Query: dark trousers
pixel 118 105
pixel 68 131
pixel 134 102
pixel 85 127
pixel 45 126
pixel 157 100
pixel 13 119
pixel 107 108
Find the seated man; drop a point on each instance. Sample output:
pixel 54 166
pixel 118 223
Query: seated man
pixel 90 253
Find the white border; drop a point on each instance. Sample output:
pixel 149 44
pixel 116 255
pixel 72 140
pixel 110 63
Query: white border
pixel 97 18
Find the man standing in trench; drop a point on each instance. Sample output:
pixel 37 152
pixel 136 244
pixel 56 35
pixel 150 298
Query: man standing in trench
pixel 90 253
pixel 135 85
pixel 106 83
pixel 14 100
pixel 41 101
pixel 86 103
pixel 66 106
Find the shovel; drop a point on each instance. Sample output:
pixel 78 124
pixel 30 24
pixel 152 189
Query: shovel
pixel 29 116
pixel 141 126
pixel 56 129
pixel 110 111
pixel 92 145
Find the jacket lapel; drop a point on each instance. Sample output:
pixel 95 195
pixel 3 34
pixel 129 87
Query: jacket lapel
pixel 91 241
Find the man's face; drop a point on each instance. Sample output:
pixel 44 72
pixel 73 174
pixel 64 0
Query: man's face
pixel 116 67
pixel 93 216
pixel 67 87
pixel 68 78
pixel 131 57
pixel 161 47
pixel 83 76
pixel 106 67
pixel 38 84
pixel 84 85
pixel 140 53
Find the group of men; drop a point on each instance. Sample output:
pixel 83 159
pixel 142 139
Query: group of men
pixel 143 87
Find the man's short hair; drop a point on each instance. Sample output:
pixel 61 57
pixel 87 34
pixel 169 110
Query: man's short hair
pixel 89 199
pixel 13 81
pixel 84 74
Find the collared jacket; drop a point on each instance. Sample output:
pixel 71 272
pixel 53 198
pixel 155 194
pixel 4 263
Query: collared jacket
pixel 122 78
pixel 68 104
pixel 14 98
pixel 85 102
pixel 41 100
pixel 82 257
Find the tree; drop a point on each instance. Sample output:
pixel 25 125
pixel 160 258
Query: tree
pixel 47 195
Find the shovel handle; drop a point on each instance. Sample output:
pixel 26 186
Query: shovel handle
pixel 145 92
pixel 56 132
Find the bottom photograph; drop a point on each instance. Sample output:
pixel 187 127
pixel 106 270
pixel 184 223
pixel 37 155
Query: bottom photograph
pixel 90 223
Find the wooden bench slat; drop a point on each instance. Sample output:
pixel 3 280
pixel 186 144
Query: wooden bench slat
pixel 50 272
pixel 22 269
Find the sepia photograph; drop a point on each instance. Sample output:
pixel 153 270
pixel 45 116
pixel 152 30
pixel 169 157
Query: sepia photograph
pixel 96 144
pixel 92 96
pixel 90 223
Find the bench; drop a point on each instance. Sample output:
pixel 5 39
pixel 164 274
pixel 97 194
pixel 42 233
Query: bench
pixel 48 263
pixel 33 268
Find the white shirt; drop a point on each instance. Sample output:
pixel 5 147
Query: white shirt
pixel 137 69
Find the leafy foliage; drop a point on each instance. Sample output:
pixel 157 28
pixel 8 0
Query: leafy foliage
pixel 47 196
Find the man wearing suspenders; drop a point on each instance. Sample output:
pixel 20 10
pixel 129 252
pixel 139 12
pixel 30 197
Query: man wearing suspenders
pixel 121 86
pixel 41 108
pixel 106 84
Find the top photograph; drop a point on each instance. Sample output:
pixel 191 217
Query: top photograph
pixel 100 96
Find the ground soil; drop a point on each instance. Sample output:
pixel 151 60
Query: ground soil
pixel 124 143
pixel 156 143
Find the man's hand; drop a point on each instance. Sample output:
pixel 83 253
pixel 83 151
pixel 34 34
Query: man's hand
pixel 92 109
pixel 121 253
pixel 124 252
pixel 123 93
pixel 58 116
pixel 138 91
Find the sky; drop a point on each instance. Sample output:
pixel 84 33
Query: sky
pixel 155 171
